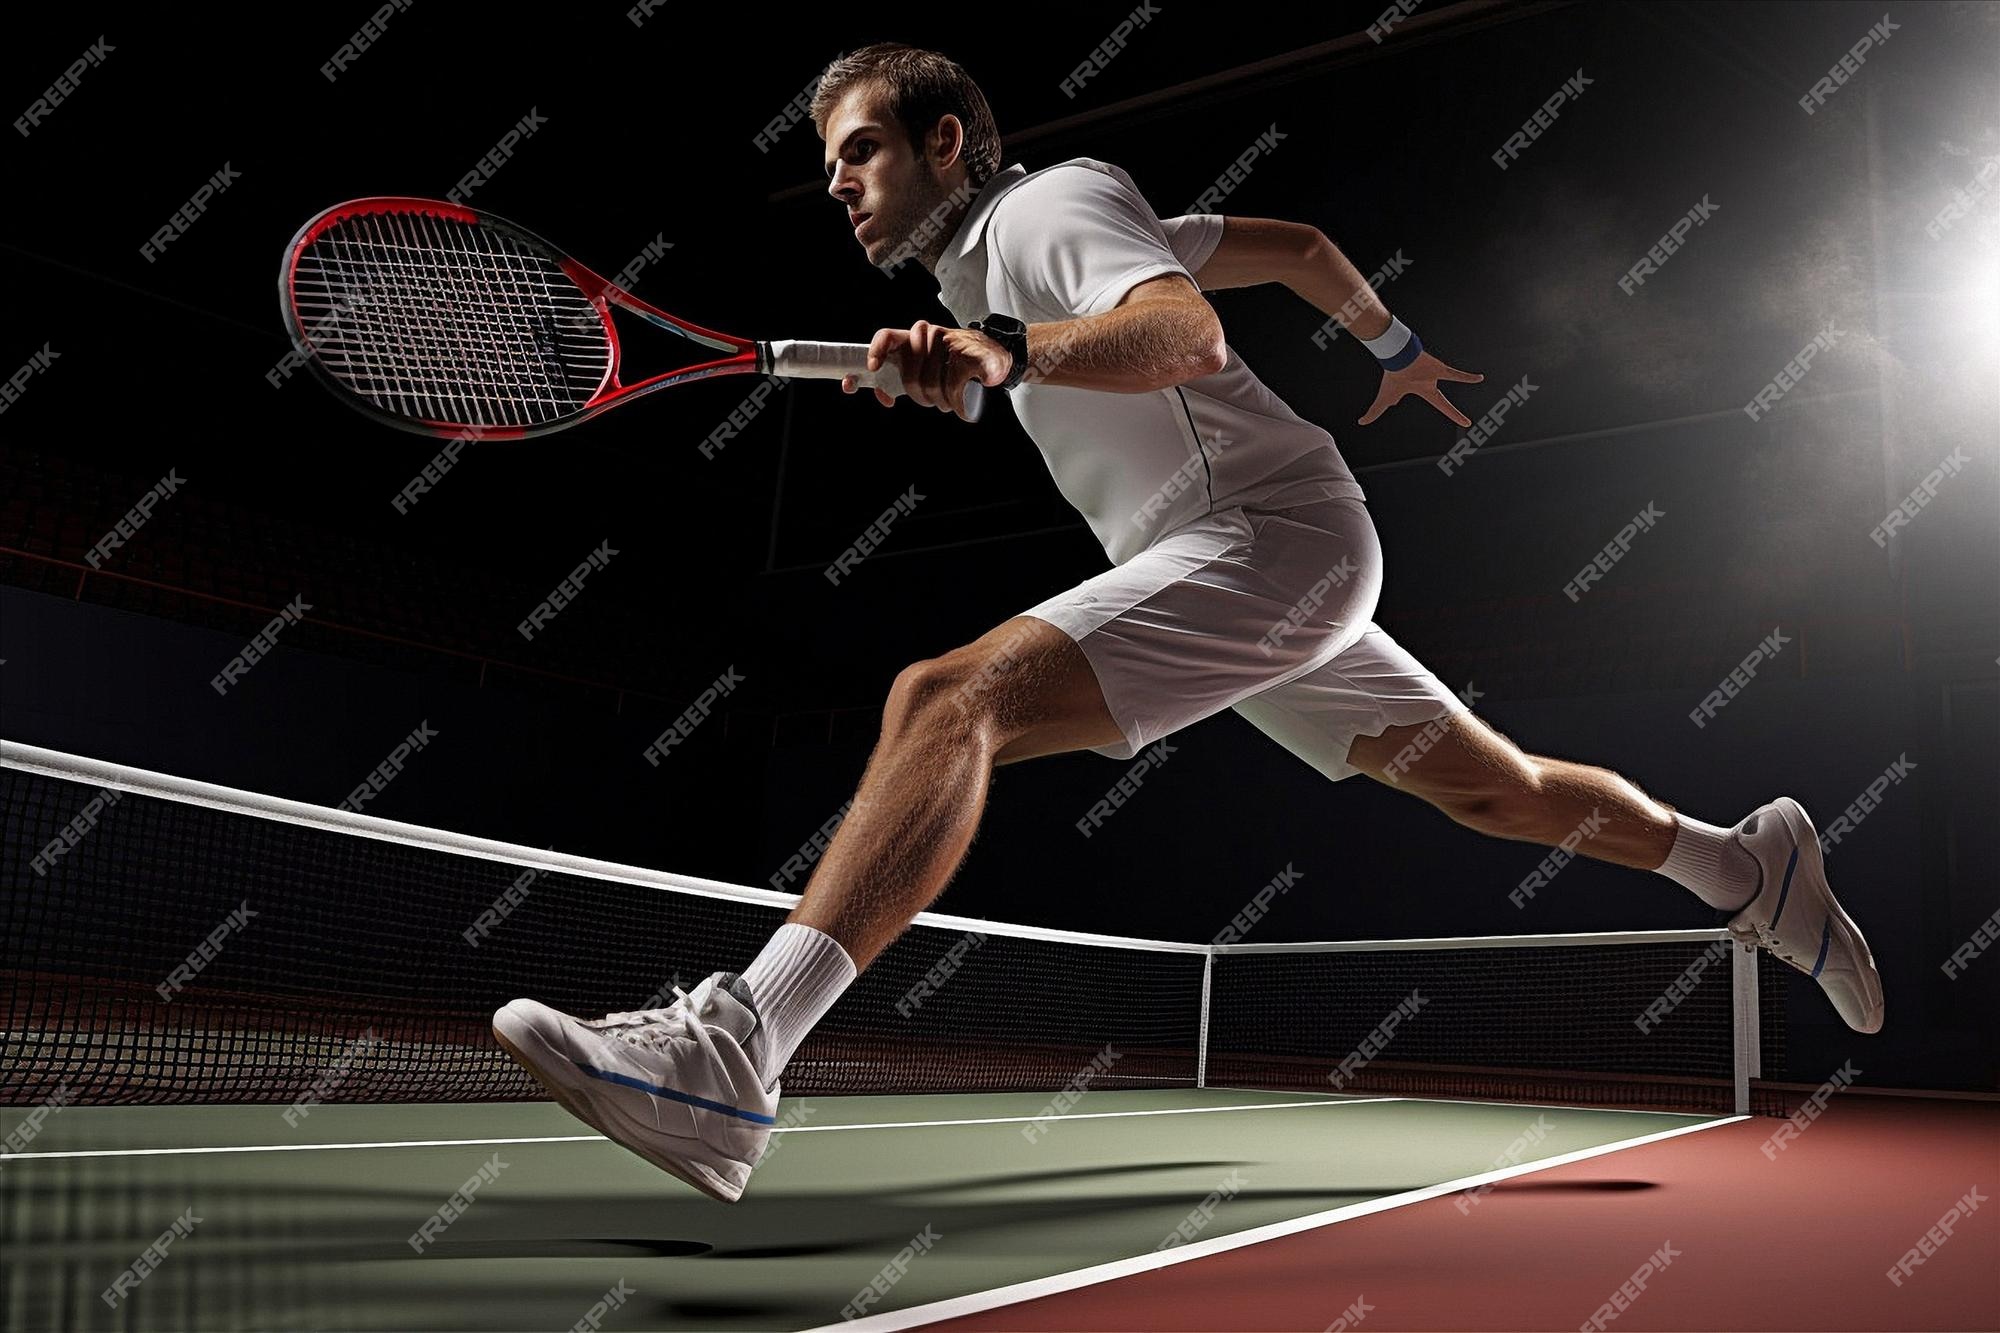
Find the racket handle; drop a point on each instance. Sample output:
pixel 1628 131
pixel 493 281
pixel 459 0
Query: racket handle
pixel 832 361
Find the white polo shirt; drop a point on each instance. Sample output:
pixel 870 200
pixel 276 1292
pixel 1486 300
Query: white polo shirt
pixel 1068 241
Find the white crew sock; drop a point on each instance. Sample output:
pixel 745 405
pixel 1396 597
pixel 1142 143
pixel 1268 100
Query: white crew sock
pixel 801 972
pixel 1711 864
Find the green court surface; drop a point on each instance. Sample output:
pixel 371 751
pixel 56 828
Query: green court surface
pixel 285 1235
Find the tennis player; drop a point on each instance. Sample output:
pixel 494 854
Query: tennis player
pixel 1245 575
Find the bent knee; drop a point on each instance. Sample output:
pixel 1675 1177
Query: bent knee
pixel 940 693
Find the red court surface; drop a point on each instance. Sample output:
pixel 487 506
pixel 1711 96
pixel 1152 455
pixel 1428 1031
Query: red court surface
pixel 1801 1238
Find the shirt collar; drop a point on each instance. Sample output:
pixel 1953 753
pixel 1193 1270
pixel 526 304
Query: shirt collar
pixel 973 226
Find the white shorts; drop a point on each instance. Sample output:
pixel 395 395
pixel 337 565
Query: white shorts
pixel 1265 611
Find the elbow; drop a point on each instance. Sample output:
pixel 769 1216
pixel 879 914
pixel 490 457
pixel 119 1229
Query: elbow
pixel 1315 249
pixel 1212 352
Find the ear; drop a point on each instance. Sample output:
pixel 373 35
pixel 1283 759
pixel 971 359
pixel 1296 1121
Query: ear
pixel 948 141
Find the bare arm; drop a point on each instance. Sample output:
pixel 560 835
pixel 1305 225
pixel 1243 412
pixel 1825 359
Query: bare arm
pixel 1162 333
pixel 1297 254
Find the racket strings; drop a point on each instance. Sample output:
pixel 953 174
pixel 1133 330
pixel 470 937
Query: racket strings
pixel 449 321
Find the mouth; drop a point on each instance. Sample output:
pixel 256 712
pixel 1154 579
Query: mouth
pixel 859 220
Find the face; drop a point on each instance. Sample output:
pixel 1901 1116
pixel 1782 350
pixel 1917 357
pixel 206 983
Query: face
pixel 890 191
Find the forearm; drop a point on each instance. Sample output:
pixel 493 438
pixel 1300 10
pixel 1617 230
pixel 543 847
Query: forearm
pixel 1259 250
pixel 1326 278
pixel 1134 348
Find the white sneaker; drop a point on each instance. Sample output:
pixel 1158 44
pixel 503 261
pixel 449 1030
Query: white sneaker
pixel 675 1085
pixel 1794 914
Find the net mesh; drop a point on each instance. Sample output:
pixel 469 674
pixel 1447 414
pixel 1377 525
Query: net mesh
pixel 178 953
pixel 160 947
pixel 1613 1024
pixel 445 321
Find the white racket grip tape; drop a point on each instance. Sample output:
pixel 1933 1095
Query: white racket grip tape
pixel 832 361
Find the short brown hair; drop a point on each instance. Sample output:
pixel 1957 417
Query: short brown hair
pixel 922 87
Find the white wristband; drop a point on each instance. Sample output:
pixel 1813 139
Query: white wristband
pixel 1390 341
pixel 1396 347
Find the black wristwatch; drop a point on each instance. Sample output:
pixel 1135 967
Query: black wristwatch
pixel 1011 334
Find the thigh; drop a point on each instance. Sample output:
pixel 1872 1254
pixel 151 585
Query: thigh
pixel 1223 608
pixel 1037 685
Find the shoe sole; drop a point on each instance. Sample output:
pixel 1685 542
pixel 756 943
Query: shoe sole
pixel 1799 824
pixel 572 1101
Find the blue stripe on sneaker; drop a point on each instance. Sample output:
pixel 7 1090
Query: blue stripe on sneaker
pixel 1786 887
pixel 1825 943
pixel 700 1103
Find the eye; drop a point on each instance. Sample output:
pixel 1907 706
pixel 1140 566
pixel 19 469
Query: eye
pixel 861 151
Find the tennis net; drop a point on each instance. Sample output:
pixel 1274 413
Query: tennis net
pixel 165 940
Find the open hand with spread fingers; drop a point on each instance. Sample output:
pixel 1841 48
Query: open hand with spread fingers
pixel 1421 377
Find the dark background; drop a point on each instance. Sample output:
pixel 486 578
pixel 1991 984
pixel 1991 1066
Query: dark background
pixel 1820 219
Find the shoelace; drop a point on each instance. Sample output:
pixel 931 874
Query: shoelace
pixel 652 1028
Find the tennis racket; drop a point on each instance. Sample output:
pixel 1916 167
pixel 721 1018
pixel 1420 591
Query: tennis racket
pixel 441 319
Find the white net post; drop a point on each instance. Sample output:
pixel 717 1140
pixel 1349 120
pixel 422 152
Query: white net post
pixel 1746 1044
pixel 1201 1051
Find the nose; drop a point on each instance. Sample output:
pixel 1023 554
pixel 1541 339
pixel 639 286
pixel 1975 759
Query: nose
pixel 843 186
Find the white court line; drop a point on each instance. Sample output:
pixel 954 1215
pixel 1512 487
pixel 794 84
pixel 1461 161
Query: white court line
pixel 1474 1101
pixel 596 1138
pixel 1087 1115
pixel 978 1302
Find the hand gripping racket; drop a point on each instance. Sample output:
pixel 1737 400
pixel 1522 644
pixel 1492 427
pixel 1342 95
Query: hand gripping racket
pixel 440 319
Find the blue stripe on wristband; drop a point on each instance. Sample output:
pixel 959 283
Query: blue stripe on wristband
pixel 1403 358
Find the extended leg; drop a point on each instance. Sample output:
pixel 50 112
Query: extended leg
pixel 1021 690
pixel 1768 869
pixel 1484 781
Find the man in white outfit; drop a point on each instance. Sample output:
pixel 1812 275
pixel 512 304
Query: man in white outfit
pixel 1245 574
